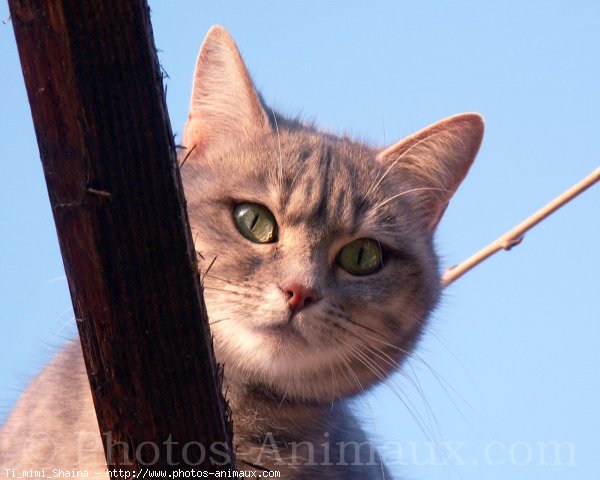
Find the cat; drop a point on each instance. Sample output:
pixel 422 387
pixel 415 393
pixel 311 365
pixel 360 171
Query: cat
pixel 323 278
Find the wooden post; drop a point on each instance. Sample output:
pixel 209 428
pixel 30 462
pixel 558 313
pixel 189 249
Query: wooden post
pixel 98 106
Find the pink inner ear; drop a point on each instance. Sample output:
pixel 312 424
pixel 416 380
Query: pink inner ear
pixel 224 106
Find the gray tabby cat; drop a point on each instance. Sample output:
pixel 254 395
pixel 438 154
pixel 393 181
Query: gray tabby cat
pixel 324 277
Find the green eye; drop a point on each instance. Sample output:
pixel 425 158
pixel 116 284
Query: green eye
pixel 361 257
pixel 255 222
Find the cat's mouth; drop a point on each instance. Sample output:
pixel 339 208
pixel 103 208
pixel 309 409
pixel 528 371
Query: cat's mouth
pixel 287 331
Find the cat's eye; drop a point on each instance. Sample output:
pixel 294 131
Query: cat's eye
pixel 255 222
pixel 361 257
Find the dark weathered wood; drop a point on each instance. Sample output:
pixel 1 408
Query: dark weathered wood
pixel 98 107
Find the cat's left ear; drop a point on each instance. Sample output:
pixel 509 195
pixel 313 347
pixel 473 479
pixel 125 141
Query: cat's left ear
pixel 225 107
pixel 434 161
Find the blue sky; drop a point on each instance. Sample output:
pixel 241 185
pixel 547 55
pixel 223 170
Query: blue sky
pixel 510 362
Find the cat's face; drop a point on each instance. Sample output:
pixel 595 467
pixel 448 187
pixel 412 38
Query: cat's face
pixel 322 271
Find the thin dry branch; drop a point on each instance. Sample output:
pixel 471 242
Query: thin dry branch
pixel 514 236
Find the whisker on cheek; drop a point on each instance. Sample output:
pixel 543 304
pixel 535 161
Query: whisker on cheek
pixel 219 320
pixel 212 276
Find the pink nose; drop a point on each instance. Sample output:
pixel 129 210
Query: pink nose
pixel 299 296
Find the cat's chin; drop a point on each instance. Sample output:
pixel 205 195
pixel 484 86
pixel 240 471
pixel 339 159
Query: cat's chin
pixel 284 333
pixel 284 340
pixel 285 362
pixel 276 351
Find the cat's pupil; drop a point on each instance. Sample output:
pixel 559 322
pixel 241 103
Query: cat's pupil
pixel 360 254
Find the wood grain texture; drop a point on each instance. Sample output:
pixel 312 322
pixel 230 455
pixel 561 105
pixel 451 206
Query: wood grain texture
pixel 98 106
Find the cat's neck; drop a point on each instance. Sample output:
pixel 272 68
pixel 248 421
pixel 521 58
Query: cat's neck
pixel 290 435
pixel 261 410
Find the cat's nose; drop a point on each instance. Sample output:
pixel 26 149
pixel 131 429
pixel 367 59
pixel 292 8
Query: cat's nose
pixel 299 296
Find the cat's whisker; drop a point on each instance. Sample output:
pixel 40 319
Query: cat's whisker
pixel 379 372
pixel 358 355
pixel 284 396
pixel 382 376
pixel 380 338
pixel 348 365
pixel 212 322
pixel 390 361
pixel 427 427
pixel 207 287
pixel 187 155
pixel 233 292
pixel 406 192
pixel 381 355
pixel 373 350
pixel 208 269
pixel 450 390
pixel 392 165
pixel 377 352
pixel 280 157
pixel 358 324
pixel 333 383
pixel 68 323
pixel 55 279
pixel 371 366
pixel 378 180
pixel 213 276
pixel 413 380
pixel 248 289
pixel 359 338
pixel 409 354
pixel 383 342
pixel 452 351
pixel 298 171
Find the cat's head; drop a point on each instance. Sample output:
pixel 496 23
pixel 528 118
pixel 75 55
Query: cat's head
pixel 322 270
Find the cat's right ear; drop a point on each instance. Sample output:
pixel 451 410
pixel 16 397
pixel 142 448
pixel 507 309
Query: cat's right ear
pixel 225 106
